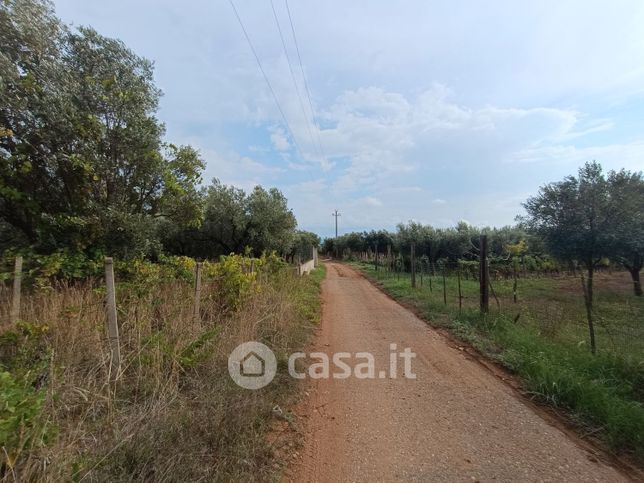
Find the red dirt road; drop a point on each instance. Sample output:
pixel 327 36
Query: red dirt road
pixel 455 422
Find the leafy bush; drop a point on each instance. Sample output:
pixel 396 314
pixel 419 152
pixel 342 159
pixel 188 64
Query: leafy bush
pixel 20 426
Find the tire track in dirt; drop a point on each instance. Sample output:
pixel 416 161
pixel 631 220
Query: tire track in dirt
pixel 455 422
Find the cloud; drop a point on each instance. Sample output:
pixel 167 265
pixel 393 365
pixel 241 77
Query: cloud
pixel 612 156
pixel 400 119
pixel 370 200
pixel 279 139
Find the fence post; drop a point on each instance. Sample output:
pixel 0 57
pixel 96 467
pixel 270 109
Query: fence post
pixel 514 284
pixel 198 269
pixel 112 323
pixel 413 264
pixel 15 300
pixel 444 287
pixel 376 257
pixel 483 276
pixel 460 294
pixel 397 267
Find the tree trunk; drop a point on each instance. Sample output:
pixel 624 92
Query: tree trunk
pixel 637 284
pixel 634 269
pixel 587 286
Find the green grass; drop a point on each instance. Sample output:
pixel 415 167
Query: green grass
pixel 547 347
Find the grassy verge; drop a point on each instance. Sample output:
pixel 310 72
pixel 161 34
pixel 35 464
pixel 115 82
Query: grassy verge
pixel 175 414
pixel 547 346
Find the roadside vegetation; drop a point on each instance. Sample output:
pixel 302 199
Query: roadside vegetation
pixel 174 414
pixel 86 172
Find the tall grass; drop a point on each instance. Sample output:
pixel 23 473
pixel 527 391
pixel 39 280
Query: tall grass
pixel 174 414
pixel 546 346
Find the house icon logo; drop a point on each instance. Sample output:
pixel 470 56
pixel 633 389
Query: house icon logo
pixel 252 365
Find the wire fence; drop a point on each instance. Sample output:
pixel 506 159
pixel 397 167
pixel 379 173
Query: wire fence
pixel 550 300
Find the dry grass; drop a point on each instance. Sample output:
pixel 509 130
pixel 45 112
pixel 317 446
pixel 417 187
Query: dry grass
pixel 174 414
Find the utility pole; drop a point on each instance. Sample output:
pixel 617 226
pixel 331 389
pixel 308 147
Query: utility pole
pixel 336 214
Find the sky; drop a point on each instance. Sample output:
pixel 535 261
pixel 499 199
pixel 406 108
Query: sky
pixel 428 111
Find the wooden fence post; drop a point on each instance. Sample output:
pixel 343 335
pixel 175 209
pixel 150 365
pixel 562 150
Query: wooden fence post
pixel 460 294
pixel 15 300
pixel 198 269
pixel 514 284
pixel 398 268
pixel 444 287
pixel 376 257
pixel 413 265
pixel 483 276
pixel 112 323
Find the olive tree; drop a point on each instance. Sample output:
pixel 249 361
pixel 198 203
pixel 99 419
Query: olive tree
pixel 583 219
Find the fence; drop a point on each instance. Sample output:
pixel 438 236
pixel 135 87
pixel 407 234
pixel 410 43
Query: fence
pixel 108 287
pixel 306 267
pixel 553 302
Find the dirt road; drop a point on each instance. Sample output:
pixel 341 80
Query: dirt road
pixel 455 422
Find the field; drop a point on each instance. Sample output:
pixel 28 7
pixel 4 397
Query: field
pixel 174 414
pixel 543 338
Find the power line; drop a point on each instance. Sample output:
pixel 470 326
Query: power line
pixel 250 44
pixel 306 84
pixel 297 89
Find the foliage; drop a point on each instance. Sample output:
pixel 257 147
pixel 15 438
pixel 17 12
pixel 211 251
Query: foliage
pixel 20 426
pixel 174 388
pixel 450 244
pixel 233 221
pixel 235 281
pixel 83 165
pixel 585 219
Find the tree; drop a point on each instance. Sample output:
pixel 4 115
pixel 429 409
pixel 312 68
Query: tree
pixel 627 192
pixel 83 163
pixel 233 221
pixel 577 219
pixel 304 242
pixel 271 223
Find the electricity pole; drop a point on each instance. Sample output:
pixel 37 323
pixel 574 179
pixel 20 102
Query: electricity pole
pixel 336 214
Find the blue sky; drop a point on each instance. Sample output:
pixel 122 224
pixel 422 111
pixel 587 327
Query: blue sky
pixel 427 111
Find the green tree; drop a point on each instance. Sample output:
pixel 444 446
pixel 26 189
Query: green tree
pixel 233 221
pixel 627 192
pixel 83 162
pixel 580 220
pixel 271 223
